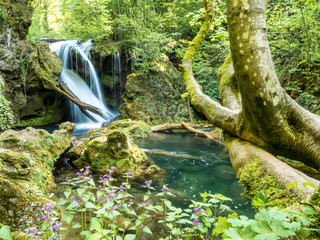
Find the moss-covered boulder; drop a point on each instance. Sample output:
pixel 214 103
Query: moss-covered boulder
pixel 155 96
pixel 134 129
pixel 113 148
pixel 27 159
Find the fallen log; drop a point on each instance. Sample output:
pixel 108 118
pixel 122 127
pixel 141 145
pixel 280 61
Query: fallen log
pixel 168 126
pixel 206 134
pixel 179 155
pixel 189 126
pixel 66 92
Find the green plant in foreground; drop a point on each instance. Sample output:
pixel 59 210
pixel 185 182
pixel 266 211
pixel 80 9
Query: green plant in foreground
pixel 50 228
pixel 109 211
pixel 5 233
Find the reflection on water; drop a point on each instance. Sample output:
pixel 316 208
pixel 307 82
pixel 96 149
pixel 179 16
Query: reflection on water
pixel 210 171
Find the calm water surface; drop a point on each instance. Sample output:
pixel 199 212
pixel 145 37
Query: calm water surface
pixel 210 171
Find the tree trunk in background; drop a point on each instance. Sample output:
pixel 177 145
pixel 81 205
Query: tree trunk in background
pixel 255 108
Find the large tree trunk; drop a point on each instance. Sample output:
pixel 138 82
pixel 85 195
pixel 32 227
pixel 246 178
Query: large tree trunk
pixel 269 117
pixel 254 106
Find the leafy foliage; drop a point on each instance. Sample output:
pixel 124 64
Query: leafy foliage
pixel 5 233
pixel 113 213
pixel 294 39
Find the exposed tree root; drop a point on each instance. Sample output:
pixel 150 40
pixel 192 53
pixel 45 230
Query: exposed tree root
pixel 241 152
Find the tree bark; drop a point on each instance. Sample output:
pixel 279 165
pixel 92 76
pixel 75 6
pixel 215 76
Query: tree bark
pixel 168 126
pixel 254 106
pixel 66 92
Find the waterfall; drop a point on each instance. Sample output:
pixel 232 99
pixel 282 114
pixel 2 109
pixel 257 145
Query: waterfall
pixel 116 77
pixel 82 79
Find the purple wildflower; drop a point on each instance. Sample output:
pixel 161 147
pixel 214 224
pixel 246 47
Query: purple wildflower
pixel 148 183
pixel 196 222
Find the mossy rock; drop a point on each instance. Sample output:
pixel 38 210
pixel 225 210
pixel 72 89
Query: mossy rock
pixel 114 148
pixel 135 129
pixel 27 158
pixel 144 101
pixel 20 206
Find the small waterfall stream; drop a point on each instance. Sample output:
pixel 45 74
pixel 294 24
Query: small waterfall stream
pixel 116 62
pixel 84 84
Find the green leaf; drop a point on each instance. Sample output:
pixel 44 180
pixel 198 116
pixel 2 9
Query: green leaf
pixel 95 236
pixel 126 223
pixel 233 234
pixel 292 185
pixel 147 230
pixel 95 225
pixel 80 191
pixel 221 225
pixel 67 194
pixel 309 210
pixel 176 231
pixel 169 225
pixel 100 193
pixel 5 233
pixel 44 226
pixel 309 184
pixel 167 203
pixel 77 225
pixel 130 237
pixel 68 218
pixel 159 208
pixel 90 205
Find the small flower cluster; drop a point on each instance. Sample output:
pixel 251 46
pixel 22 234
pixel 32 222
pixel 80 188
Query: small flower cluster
pixel 50 227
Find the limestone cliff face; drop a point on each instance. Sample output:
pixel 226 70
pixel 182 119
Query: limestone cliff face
pixel 27 68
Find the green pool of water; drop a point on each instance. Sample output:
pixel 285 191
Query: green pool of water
pixel 210 170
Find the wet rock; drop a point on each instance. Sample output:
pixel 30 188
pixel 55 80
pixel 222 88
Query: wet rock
pixel 114 148
pixel 29 70
pixel 143 100
pixel 27 159
pixel 135 129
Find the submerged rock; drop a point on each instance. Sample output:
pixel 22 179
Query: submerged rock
pixel 27 159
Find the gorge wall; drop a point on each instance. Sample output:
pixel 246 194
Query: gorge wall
pixel 26 69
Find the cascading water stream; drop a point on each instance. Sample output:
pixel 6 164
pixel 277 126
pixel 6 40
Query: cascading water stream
pixel 117 78
pixel 86 88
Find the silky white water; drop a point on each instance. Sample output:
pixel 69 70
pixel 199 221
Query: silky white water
pixel 86 87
